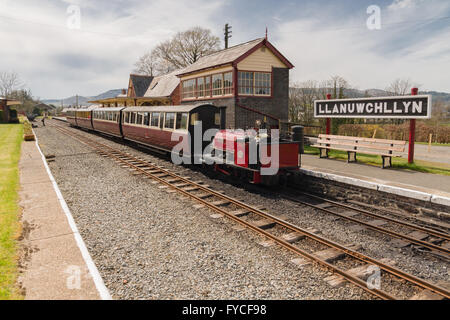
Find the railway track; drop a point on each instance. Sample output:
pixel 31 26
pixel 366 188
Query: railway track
pixel 436 241
pixel 344 261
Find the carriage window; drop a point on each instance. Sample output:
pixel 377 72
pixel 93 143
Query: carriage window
pixel 194 117
pixel 182 120
pixel 146 118
pixel 139 117
pixel 169 120
pixel 155 119
pixel 133 118
pixel 161 118
pixel 125 117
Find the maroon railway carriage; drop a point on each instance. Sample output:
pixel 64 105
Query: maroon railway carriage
pixel 84 118
pixel 71 116
pixel 154 126
pixel 107 120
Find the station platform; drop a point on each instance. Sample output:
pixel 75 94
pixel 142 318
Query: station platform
pixel 57 264
pixel 422 186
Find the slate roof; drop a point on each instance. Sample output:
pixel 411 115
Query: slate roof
pixel 140 84
pixel 222 57
pixel 164 85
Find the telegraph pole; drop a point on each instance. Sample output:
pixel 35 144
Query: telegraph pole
pixel 227 34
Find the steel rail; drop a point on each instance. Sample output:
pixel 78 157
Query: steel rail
pixel 375 215
pixel 392 270
pixel 370 226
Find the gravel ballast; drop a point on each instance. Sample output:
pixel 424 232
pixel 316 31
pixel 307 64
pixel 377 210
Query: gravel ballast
pixel 149 244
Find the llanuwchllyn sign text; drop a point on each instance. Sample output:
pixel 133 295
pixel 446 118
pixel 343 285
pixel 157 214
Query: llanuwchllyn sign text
pixel 403 107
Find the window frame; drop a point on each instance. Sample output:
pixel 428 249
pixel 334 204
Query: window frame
pixel 151 119
pixel 174 120
pixel 187 121
pixel 254 87
pixel 208 87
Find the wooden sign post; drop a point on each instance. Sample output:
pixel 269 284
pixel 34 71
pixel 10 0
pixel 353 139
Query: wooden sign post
pixel 328 130
pixel 412 132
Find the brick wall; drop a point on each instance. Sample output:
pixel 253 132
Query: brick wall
pixel 276 106
pixel 175 97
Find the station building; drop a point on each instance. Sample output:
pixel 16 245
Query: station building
pixel 250 79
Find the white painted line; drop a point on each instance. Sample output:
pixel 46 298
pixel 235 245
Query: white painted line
pixel 99 284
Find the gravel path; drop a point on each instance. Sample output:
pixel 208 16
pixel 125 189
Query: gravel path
pixel 149 244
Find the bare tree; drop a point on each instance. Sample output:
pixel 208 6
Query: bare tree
pixel 146 65
pixel 9 81
pixel 182 50
pixel 338 84
pixel 301 101
pixel 400 87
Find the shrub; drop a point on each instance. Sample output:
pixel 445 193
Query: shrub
pixel 1 116
pixel 441 134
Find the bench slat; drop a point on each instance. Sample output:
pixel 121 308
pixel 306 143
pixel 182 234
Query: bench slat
pixel 336 137
pixel 367 146
pixel 358 151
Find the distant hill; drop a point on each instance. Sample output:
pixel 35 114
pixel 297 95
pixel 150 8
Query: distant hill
pixel 355 93
pixel 82 100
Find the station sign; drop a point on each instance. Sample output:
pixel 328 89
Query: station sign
pixel 401 107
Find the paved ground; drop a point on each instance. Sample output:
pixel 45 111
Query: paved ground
pixel 52 266
pixel 439 154
pixel 426 182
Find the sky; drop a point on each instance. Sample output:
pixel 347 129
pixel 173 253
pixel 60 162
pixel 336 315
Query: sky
pixel 58 55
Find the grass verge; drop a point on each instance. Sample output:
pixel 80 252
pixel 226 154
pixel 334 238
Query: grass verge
pixel 397 163
pixel 11 136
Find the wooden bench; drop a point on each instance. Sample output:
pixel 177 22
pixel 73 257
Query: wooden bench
pixel 385 148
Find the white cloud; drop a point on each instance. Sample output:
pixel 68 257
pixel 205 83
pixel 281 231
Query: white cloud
pixel 369 59
pixel 57 62
pixel 402 4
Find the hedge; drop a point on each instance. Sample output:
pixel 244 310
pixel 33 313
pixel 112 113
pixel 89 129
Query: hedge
pixel 441 134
